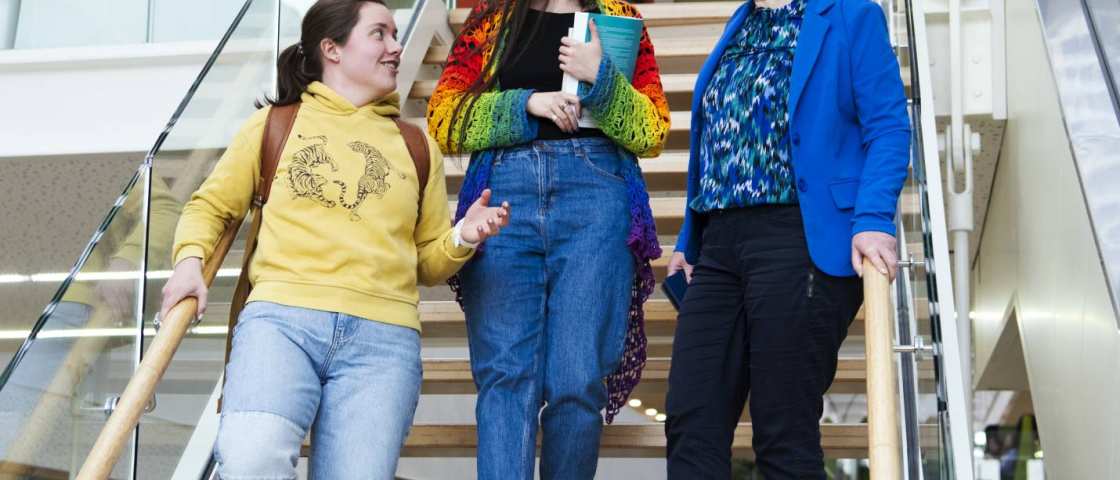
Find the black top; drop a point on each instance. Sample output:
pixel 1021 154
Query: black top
pixel 537 66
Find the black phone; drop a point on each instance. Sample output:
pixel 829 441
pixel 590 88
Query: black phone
pixel 674 287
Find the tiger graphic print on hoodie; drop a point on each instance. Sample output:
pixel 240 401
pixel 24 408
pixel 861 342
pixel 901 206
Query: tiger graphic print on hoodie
pixel 306 179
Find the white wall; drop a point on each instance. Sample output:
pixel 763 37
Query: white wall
pixel 1038 257
pixel 92 99
pixel 91 95
pixel 119 98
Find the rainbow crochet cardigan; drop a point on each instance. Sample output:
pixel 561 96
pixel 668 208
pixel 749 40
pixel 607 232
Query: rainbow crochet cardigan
pixel 634 114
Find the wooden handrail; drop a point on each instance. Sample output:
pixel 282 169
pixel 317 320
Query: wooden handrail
pixel 116 432
pixel 884 433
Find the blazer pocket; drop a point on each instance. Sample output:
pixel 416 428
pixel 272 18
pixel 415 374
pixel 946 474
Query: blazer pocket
pixel 844 192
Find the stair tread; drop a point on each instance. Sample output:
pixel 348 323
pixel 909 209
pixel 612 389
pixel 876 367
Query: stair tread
pixel 453 376
pixel 669 162
pixel 665 48
pixel 445 319
pixel 695 48
pixel 672 207
pixel 655 14
pixel 636 440
pixel 670 83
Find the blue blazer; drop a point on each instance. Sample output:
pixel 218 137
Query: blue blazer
pixel 849 129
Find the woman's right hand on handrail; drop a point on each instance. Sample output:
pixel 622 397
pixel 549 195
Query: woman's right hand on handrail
pixel 186 281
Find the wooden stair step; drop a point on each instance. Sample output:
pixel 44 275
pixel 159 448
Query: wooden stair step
pixel 10 469
pixel 677 58
pixel 667 172
pixel 668 212
pixel 444 319
pixel 670 82
pixel 654 15
pixel 636 441
pixel 693 50
pixel 679 122
pixel 453 377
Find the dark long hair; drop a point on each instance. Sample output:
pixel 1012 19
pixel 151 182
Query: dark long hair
pixel 302 63
pixel 512 37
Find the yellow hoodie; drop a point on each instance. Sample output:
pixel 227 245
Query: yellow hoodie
pixel 340 230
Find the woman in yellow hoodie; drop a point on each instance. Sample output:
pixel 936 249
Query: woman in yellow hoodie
pixel 330 335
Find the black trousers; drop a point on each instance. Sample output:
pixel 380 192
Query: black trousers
pixel 758 319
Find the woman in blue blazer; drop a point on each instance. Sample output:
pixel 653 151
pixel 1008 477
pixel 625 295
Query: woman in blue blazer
pixel 800 146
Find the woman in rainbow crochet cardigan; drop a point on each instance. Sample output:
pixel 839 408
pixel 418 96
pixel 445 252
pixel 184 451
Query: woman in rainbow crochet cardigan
pixel 554 305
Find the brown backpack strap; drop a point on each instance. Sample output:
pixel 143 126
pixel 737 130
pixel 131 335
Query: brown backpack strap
pixel 276 130
pixel 417 144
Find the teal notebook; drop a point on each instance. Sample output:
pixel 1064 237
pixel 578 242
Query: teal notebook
pixel 619 37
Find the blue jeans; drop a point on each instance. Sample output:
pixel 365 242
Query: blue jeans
pixel 546 304
pixel 357 380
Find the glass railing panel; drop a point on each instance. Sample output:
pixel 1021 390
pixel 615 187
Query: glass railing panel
pixel 51 207
pixel 193 20
pixel 55 392
pixel 924 385
pixel 922 449
pixel 241 72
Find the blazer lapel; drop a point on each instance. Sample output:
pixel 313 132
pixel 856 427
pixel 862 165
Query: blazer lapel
pixel 814 27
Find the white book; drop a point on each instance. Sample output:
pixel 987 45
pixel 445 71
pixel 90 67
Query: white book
pixel 579 33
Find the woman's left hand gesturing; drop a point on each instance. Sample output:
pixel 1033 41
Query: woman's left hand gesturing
pixel 581 60
pixel 483 221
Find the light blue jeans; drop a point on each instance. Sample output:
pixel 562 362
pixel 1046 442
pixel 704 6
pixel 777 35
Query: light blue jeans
pixel 356 380
pixel 546 305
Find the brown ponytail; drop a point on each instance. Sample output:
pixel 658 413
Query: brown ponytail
pixel 302 63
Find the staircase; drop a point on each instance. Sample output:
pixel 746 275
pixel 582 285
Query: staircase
pixel 682 39
pixel 179 433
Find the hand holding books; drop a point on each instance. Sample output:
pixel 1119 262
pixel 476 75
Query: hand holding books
pixel 581 59
pixel 562 108
pixel 594 38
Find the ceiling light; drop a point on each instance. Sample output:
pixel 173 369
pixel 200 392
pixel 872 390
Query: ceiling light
pixel 55 277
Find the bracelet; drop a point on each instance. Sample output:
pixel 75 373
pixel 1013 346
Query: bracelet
pixel 457 237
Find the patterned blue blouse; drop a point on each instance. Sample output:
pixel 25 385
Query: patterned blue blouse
pixel 744 150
